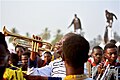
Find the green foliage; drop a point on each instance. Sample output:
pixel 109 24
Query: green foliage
pixel 13 30
pixel 58 36
pixel 116 36
pixel 98 40
pixel 27 34
pixel 45 35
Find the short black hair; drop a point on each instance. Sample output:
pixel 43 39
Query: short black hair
pixel 96 47
pixel 47 52
pixel 109 45
pixel 113 41
pixel 69 35
pixel 19 46
pixel 75 14
pixel 14 59
pixel 75 50
pixel 27 53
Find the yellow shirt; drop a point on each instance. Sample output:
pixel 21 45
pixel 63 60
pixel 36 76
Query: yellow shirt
pixel 13 74
pixel 75 77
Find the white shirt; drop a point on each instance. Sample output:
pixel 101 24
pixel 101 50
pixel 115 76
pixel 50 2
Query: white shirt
pixel 55 68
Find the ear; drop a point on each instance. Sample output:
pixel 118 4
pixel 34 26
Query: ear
pixel 66 62
pixel 92 54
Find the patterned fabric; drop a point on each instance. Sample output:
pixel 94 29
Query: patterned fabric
pixel 76 77
pixel 11 74
pixel 55 68
pixel 91 60
pixel 54 78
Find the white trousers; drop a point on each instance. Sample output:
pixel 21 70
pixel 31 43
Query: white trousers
pixel 110 33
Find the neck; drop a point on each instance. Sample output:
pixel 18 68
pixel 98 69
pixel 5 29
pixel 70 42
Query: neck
pixel 113 63
pixel 74 71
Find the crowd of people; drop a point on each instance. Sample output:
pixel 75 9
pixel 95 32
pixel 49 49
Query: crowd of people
pixel 68 59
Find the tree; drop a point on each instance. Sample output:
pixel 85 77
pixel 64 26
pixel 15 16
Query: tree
pixel 27 34
pixel 95 41
pixel 14 31
pixel 58 36
pixel 116 36
pixel 82 33
pixel 99 38
pixel 45 35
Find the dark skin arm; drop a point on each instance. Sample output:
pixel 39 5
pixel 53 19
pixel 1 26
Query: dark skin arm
pixel 34 47
pixel 31 77
pixel 71 24
pixel 114 16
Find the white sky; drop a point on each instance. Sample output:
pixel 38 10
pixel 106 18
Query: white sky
pixel 34 15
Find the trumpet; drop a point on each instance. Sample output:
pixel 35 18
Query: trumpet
pixel 27 39
pixel 29 46
pixel 105 74
pixel 102 76
pixel 109 72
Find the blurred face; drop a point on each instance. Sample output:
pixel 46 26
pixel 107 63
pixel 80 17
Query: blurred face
pixel 24 59
pixel 3 55
pixel 97 55
pixel 118 58
pixel 55 49
pixel 19 51
pixel 47 47
pixel 47 58
pixel 40 52
pixel 3 60
pixel 111 54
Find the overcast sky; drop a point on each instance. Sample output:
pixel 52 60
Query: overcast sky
pixel 34 16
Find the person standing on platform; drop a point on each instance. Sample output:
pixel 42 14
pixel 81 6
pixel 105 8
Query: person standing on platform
pixel 77 24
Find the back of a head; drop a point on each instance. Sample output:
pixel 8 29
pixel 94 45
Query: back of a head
pixel 68 35
pixel 75 49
